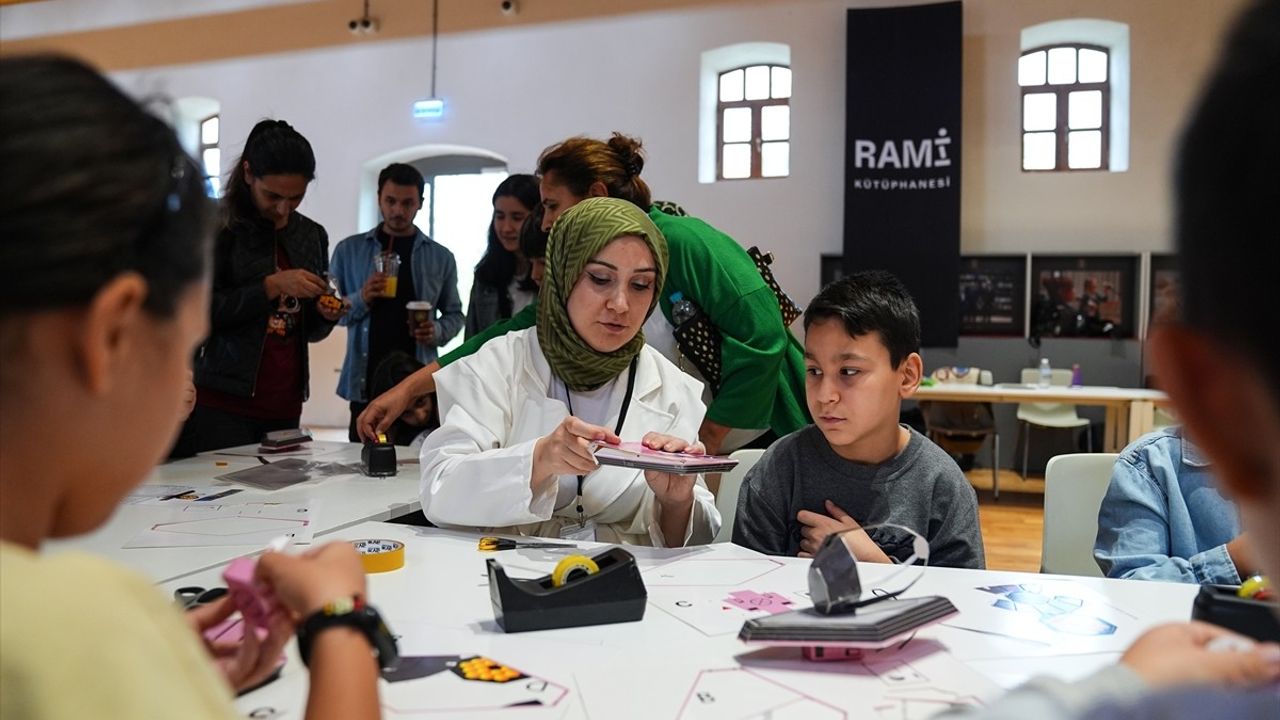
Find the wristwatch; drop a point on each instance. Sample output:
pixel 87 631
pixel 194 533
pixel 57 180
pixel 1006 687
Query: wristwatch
pixel 352 612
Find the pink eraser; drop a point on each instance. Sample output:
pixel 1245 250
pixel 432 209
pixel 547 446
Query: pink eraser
pixel 251 599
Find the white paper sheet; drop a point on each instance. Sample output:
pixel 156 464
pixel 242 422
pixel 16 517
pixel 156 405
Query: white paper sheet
pixel 254 524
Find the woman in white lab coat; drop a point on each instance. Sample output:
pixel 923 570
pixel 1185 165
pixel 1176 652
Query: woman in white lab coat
pixel 513 451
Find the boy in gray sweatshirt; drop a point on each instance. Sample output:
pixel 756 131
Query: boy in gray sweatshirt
pixel 856 466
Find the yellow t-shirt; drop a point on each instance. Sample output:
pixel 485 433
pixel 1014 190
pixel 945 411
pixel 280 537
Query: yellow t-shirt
pixel 82 638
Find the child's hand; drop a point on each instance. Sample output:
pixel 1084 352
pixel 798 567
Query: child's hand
pixel 304 584
pixel 818 526
pixel 249 661
pixel 1180 654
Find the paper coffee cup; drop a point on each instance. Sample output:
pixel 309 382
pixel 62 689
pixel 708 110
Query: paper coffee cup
pixel 419 312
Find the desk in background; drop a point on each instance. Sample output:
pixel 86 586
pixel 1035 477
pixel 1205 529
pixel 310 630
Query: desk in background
pixel 1130 412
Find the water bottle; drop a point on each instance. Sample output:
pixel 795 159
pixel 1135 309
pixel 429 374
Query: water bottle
pixel 1075 375
pixel 681 310
pixel 1046 374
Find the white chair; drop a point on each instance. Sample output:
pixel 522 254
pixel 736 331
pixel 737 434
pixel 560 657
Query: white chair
pixel 1047 415
pixel 1074 486
pixel 730 484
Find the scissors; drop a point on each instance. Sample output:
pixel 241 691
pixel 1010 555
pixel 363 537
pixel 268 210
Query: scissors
pixel 493 544
pixel 192 596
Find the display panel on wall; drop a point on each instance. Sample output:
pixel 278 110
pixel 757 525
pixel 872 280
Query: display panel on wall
pixel 1084 296
pixel 831 270
pixel 1162 306
pixel 993 295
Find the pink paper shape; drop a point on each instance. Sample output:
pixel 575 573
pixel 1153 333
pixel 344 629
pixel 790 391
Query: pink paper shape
pixel 253 600
pixel 769 602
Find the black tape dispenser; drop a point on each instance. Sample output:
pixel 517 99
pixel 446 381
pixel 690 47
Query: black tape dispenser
pixel 580 591
pixel 378 459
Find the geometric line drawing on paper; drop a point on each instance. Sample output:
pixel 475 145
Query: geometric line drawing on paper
pixel 921 703
pixel 231 527
pixel 1060 613
pixel 710 573
pixel 895 673
pixel 741 693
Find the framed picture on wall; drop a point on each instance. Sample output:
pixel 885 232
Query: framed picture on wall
pixel 1089 296
pixel 1165 286
pixel 831 270
pixel 993 295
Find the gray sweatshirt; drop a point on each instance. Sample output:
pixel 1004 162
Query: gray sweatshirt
pixel 922 488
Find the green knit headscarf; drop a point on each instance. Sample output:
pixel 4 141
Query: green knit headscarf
pixel 581 232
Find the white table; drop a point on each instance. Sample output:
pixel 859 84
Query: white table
pixel 339 501
pixel 668 667
pixel 1130 411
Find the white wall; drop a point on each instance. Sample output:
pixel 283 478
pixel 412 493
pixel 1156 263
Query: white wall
pixel 514 91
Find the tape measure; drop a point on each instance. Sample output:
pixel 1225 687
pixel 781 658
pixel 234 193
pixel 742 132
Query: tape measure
pixel 379 556
pixel 571 568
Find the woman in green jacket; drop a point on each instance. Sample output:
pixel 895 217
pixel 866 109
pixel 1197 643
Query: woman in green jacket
pixel 761 384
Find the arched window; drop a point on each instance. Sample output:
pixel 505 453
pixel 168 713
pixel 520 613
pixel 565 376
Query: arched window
pixel 753 113
pixel 1066 101
pixel 1073 77
pixel 744 112
pixel 210 155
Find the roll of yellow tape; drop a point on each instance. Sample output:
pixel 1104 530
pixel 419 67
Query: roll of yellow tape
pixel 571 564
pixel 379 556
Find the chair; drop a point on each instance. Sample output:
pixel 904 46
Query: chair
pixel 961 428
pixel 1163 418
pixel 1047 415
pixel 1074 486
pixel 730 484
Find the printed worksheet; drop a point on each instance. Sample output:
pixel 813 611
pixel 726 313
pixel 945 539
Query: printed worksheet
pixel 203 525
pixel 1055 617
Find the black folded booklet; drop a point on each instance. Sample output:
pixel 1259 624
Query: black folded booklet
pixel 871 626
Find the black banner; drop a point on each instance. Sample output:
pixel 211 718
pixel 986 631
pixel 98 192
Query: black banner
pixel 902 155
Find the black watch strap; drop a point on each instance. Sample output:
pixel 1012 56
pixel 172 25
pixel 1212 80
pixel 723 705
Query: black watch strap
pixel 353 613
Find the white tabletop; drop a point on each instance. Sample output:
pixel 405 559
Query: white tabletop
pixel 338 501
pixel 684 659
pixel 1018 392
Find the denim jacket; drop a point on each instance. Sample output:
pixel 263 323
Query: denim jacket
pixel 435 279
pixel 1163 518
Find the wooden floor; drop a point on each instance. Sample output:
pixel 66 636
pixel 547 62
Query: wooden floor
pixel 1011 526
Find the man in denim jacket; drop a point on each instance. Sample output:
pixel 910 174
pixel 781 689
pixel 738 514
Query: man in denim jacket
pixel 1164 519
pixel 377 325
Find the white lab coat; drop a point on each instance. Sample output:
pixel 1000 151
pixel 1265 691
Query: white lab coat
pixel 494 406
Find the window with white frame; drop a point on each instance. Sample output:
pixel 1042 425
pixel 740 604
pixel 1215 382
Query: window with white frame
pixel 210 155
pixel 1074 83
pixel 1066 100
pixel 753 111
pixel 744 112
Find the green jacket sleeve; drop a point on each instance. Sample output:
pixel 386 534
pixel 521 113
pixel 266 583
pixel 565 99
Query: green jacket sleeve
pixel 526 318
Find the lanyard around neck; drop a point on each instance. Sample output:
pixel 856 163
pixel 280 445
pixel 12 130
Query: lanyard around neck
pixel 622 417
